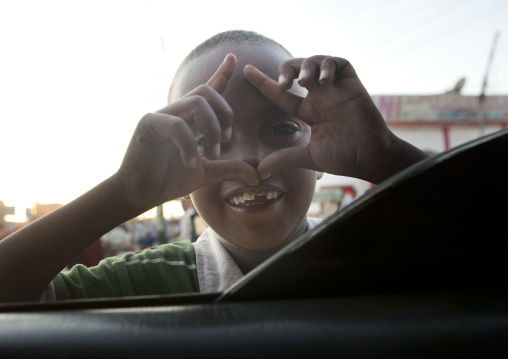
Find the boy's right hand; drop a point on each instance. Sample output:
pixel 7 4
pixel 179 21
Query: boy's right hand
pixel 163 162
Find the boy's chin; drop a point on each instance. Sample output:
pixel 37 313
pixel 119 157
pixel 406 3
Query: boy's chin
pixel 257 237
pixel 256 245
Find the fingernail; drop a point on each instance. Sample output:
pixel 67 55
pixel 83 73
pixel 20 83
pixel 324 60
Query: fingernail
pixel 227 133
pixel 282 79
pixel 303 75
pixel 193 162
pixel 216 151
pixel 323 75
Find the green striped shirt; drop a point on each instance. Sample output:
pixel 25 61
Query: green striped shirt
pixel 165 269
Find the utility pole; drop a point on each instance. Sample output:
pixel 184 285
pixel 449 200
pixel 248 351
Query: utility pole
pixel 160 225
pixel 481 99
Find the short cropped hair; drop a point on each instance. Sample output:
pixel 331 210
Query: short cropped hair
pixel 227 37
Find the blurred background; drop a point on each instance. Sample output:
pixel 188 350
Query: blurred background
pixel 76 76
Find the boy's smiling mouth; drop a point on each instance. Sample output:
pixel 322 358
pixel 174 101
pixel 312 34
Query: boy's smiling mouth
pixel 253 198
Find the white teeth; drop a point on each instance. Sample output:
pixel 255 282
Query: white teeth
pixel 244 197
pixel 272 195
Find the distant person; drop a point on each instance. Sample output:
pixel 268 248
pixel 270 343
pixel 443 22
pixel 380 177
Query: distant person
pixel 90 257
pixel 118 241
pixel 348 198
pixel 246 143
pixel 191 224
pixel 93 254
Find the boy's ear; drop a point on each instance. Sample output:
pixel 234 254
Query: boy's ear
pixel 319 175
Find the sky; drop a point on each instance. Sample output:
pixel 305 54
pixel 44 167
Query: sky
pixel 76 76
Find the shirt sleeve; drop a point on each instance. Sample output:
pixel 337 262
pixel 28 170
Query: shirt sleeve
pixel 166 269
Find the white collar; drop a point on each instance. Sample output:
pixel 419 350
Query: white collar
pixel 217 270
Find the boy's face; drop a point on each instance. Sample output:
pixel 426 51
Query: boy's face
pixel 277 214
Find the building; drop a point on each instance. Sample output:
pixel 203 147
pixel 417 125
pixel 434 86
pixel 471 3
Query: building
pixel 437 123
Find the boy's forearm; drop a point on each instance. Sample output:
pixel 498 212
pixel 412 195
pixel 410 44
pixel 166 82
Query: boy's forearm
pixel 404 155
pixel 31 257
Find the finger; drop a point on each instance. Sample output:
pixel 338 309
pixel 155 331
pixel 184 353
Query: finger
pixel 220 78
pixel 294 157
pixel 336 68
pixel 327 70
pixel 235 170
pixel 202 118
pixel 287 101
pixel 308 74
pixel 156 128
pixel 310 71
pixel 288 71
pixel 223 111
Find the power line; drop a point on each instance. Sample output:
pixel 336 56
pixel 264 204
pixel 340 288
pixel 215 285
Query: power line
pixel 460 25
pixel 423 26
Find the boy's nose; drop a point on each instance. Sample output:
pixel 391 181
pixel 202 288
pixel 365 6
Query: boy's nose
pixel 248 150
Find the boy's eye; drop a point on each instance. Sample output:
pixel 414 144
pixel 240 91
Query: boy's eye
pixel 283 128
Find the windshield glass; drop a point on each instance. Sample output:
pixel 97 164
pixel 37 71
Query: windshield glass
pixel 78 76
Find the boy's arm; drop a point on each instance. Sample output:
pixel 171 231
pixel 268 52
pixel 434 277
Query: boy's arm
pixel 160 164
pixel 349 136
pixel 31 257
pixel 404 155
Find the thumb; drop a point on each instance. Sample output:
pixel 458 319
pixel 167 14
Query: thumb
pixel 236 170
pixel 293 157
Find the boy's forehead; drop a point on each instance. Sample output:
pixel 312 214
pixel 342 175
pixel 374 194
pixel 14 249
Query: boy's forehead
pixel 199 70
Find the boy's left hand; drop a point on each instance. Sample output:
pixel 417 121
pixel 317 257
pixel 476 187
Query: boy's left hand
pixel 349 135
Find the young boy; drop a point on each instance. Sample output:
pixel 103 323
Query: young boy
pixel 247 148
